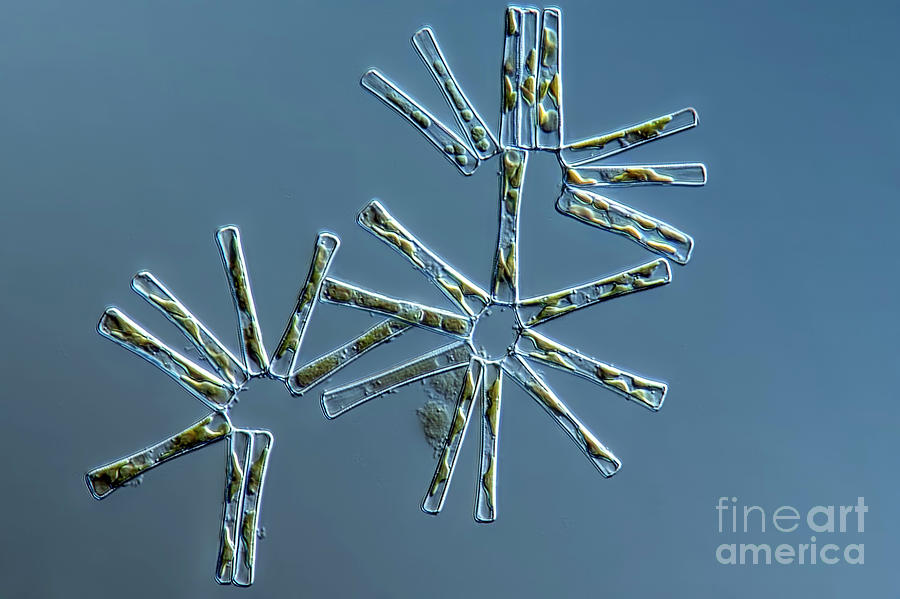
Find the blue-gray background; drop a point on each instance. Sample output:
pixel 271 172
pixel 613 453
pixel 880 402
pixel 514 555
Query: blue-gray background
pixel 130 131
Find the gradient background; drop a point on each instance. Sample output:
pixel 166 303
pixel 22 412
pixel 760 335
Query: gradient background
pixel 130 131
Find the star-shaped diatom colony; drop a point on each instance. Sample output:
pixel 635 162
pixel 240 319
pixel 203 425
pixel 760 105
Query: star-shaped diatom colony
pixel 218 383
pixel 531 120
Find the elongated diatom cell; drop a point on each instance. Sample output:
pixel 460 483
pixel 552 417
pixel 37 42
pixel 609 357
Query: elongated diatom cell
pixel 248 524
pixel 549 86
pixel 255 357
pixel 601 146
pixel 225 363
pixel 509 79
pixel 605 461
pixel 506 262
pixel 528 74
pixel 486 489
pixel 610 215
pixel 206 386
pixel 376 219
pixel 542 308
pixel 104 480
pixel 289 346
pixel 441 137
pixel 438 320
pixel 237 457
pixel 437 491
pixel 645 174
pixel 479 135
pixel 337 401
pixel 310 374
pixel 646 392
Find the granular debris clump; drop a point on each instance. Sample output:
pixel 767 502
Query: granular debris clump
pixel 436 414
pixel 435 418
pixel 445 386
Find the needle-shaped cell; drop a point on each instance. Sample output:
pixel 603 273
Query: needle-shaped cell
pixel 486 489
pixel 434 319
pixel 104 480
pixel 204 385
pixel 528 73
pixel 476 129
pixel 509 78
pixel 219 356
pixel 437 491
pixel 505 286
pixel 285 355
pixel 605 213
pixel 255 357
pixel 337 401
pixel 441 137
pixel 601 146
pixel 237 459
pixel 377 220
pixel 638 174
pixel 310 374
pixel 534 385
pixel 540 309
pixel 254 480
pixel 644 391
pixel 549 86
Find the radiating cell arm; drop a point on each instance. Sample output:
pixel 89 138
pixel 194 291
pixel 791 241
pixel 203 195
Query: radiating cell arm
pixel 204 385
pixel 237 458
pixel 255 357
pixel 337 401
pixel 601 146
pixel 377 220
pixel 486 488
pixel 646 392
pixel 477 131
pixel 434 319
pixel 505 286
pixel 225 363
pixel 245 554
pixel 643 174
pixel 528 74
pixel 310 374
pixel 104 480
pixel 528 379
pixel 286 354
pixel 610 215
pixel 540 309
pixel 441 137
pixel 509 79
pixel 549 87
pixel 443 474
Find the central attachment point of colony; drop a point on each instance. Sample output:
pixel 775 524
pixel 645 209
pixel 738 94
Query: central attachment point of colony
pixel 495 332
